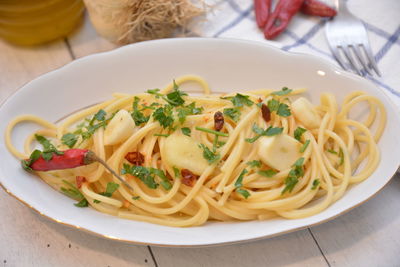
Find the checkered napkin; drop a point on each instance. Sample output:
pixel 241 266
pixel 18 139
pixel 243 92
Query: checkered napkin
pixel 236 19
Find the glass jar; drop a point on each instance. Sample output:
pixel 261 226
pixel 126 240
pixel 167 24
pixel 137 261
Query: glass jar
pixel 32 22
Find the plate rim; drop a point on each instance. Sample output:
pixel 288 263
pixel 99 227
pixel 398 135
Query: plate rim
pixel 321 60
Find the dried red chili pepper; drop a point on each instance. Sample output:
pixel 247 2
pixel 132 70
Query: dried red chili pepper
pixel 262 8
pixel 266 113
pixel 280 18
pixel 136 158
pixel 79 181
pixel 218 120
pixel 188 178
pixel 71 158
pixel 317 8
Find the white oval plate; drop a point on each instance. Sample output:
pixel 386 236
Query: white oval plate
pixel 229 65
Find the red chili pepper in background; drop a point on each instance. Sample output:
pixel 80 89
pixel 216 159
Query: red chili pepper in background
pixel 262 8
pixel 71 158
pixel 317 8
pixel 280 18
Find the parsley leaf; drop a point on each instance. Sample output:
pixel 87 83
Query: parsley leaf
pixel 48 148
pixel 175 97
pixel 243 192
pixel 298 133
pixel 164 116
pixel 142 173
pixel 239 180
pixel 190 109
pixel 147 175
pixel 100 115
pixel 273 105
pixel 254 163
pixel 110 189
pixel 35 155
pixel 74 193
pixel 137 116
pixel 164 180
pixel 136 197
pixel 332 151
pixel 270 131
pixel 240 100
pixel 186 131
pixel 267 173
pixel 210 156
pixel 315 184
pixel 69 139
pixel 283 110
pixel 233 113
pixel 304 147
pixel 295 173
pixel 282 92
pixel 177 173
pixel 239 184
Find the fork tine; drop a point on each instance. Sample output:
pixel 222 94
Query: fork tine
pixel 339 58
pixel 360 57
pixel 349 56
pixel 371 59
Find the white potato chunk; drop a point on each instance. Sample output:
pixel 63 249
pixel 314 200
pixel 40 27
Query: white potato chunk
pixel 119 129
pixel 305 112
pixel 184 152
pixel 279 152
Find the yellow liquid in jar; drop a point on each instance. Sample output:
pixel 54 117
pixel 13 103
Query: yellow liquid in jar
pixel 31 22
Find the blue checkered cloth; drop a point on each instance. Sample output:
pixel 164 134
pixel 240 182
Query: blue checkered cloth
pixel 236 19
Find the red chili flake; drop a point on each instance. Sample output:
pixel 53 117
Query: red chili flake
pixel 259 100
pixel 79 181
pixel 218 120
pixel 136 158
pixel 266 113
pixel 188 178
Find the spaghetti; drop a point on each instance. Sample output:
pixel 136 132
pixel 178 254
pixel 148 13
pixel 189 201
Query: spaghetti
pixel 189 159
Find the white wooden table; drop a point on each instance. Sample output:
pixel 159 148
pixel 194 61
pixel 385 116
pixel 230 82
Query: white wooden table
pixel 368 235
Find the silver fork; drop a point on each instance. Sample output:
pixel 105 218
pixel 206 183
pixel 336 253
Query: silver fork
pixel 348 41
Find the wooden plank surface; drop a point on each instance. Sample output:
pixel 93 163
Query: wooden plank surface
pixel 367 236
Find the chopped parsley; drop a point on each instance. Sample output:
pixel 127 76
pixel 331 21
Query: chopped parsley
pixel 282 92
pixel 69 139
pixel 298 133
pixel 281 109
pixel 110 189
pixel 147 175
pixel 164 116
pixel 232 113
pixel 136 197
pixel 177 173
pixel 240 100
pixel 295 173
pixel 161 135
pixel 74 193
pixel 270 131
pixel 304 147
pixel 209 155
pixel 185 111
pixel 254 163
pixel 206 130
pixel 273 105
pixel 173 98
pixel 48 148
pixel 26 163
pixel 267 173
pixel 137 114
pixel 239 184
pixel 315 184
pixel 186 131
pixel 332 151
